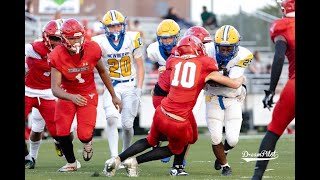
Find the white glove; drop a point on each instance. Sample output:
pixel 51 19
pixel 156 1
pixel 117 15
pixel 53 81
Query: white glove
pixel 138 92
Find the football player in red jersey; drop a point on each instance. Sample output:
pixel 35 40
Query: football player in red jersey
pixel 161 90
pixel 38 92
pixel 282 32
pixel 72 82
pixel 190 70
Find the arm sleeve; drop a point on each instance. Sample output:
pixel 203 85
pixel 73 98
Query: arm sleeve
pixel 277 64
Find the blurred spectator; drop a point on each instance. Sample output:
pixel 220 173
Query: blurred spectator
pixel 209 20
pixel 97 27
pixel 256 66
pixel 172 14
pixel 29 11
pixel 28 6
pixel 89 31
pixel 58 15
pixel 135 26
pixel 268 68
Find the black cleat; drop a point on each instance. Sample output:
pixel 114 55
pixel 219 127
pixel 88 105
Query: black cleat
pixel 30 164
pixel 217 165
pixel 178 170
pixel 226 171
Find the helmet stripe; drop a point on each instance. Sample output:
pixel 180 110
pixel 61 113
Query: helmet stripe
pixel 113 15
pixel 225 32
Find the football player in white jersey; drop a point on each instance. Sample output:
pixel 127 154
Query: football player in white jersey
pixel 223 104
pixel 122 55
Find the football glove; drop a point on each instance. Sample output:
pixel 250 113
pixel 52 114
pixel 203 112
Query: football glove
pixel 138 92
pixel 268 99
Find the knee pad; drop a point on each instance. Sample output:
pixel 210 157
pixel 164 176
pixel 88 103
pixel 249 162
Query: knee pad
pixel 232 141
pixel 37 123
pixel 112 120
pixel 216 139
pixel 127 124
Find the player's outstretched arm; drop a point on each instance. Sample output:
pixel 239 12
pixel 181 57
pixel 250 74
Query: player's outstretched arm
pixel 230 82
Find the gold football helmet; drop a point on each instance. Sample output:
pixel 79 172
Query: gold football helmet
pixel 166 29
pixel 112 18
pixel 226 36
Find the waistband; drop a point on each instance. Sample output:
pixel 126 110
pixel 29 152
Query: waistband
pixel 115 82
pixel 173 116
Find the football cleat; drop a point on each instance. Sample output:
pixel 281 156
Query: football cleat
pixel 178 170
pixel 226 171
pixel 110 167
pixel 165 160
pixel 69 167
pixel 131 166
pixel 29 164
pixel 58 148
pixel 87 151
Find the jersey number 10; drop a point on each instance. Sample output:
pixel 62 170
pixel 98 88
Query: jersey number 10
pixel 188 73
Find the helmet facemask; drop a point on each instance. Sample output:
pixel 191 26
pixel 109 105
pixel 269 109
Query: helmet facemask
pixel 224 58
pixel 73 44
pixel 115 35
pixel 168 47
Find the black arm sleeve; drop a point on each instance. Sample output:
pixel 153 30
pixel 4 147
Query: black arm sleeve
pixel 277 64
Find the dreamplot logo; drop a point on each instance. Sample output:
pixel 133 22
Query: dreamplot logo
pixel 263 155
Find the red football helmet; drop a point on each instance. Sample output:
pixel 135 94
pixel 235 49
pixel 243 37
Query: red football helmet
pixel 72 33
pixel 190 46
pixel 199 32
pixel 51 33
pixel 288 6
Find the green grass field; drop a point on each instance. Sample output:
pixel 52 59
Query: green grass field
pixel 199 162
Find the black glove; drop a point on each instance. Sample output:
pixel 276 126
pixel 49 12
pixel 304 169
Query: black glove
pixel 268 99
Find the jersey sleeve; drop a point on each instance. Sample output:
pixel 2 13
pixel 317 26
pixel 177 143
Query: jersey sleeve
pixel 276 28
pixel 211 64
pixel 151 52
pixel 245 58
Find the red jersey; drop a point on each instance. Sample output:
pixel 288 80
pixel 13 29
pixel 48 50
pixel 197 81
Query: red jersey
pixel 187 79
pixel 38 76
pixel 286 28
pixel 77 72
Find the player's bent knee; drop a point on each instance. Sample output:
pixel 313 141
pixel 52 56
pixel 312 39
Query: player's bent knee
pixel 112 120
pixel 232 141
pixel 215 140
pixel 127 125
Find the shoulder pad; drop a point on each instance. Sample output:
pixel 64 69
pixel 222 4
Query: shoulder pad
pixel 245 57
pixel 30 52
pixel 136 38
pixel 277 28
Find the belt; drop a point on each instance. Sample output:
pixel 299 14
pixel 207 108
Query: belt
pixel 173 116
pixel 115 82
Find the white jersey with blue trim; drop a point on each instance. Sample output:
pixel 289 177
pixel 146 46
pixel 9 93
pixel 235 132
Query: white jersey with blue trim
pixel 119 59
pixel 234 69
pixel 155 54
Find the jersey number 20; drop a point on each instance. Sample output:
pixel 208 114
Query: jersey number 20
pixel 124 65
pixel 188 73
